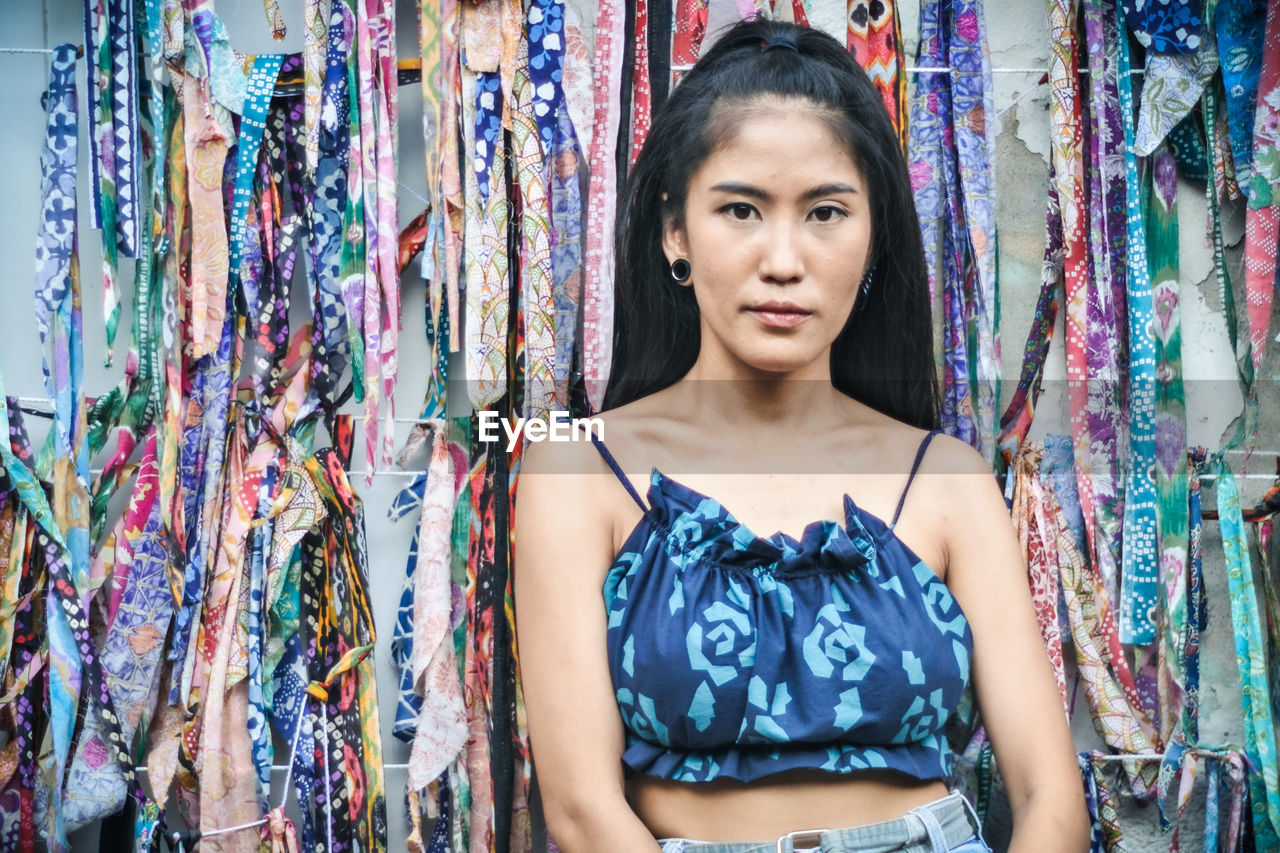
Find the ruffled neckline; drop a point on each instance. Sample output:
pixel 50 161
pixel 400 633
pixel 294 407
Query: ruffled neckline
pixel 703 527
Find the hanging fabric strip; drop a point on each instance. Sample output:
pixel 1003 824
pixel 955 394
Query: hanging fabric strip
pixel 355 702
pixel 641 94
pixel 1245 423
pixel 441 729
pixel 566 198
pixel 72 651
pixel 1172 85
pixel 408 704
pixel 1211 816
pixel 57 297
pixel 482 592
pixel 1171 432
pixel 330 345
pixel 1107 816
pixel 451 160
pixel 262 81
pixel 1015 423
pixel 1138 570
pixel 661 20
pixel 1091 802
pixel 1262 218
pixel 134 404
pixel 1240 27
pixel 874 38
pixel 931 179
pixel 207 142
pixel 1174 26
pixel 597 324
pixel 973 124
pixel 138 620
pixel 1106 304
pixel 486 251
pixel 461 575
pixel 374 89
pixel 691 30
pixel 1117 716
pixel 432 46
pixel 1197 609
pixel 114 141
pixel 1264 787
pixel 1038 540
pixel 1091 408
pixel 951 150
pixel 538 100
pixel 509 665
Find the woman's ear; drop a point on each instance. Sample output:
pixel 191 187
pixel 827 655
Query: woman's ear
pixel 675 244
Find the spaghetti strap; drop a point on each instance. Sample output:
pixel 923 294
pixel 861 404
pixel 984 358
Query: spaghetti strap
pixel 613 463
pixel 924 444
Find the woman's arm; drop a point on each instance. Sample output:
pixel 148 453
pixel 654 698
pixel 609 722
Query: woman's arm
pixel 1013 678
pixel 563 546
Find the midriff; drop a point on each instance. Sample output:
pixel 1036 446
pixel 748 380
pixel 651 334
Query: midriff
pixel 727 810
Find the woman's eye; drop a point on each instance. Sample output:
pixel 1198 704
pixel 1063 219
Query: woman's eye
pixel 827 213
pixel 739 210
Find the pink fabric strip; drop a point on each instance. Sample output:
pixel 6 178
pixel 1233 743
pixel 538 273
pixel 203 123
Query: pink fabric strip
pixel 442 722
pixel 387 118
pixel 1262 221
pixel 597 325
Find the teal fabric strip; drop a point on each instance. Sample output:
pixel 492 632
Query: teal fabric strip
pixel 253 122
pixel 1259 731
pixel 1139 558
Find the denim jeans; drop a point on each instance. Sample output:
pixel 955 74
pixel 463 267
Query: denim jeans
pixel 946 825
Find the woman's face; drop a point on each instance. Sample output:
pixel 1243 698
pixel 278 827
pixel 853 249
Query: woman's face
pixel 778 214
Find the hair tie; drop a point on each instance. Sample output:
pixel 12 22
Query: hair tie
pixel 778 41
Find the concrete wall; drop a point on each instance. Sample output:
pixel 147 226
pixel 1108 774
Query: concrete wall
pixel 1019 55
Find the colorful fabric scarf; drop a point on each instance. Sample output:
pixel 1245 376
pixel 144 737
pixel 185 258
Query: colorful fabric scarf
pixel 875 40
pixel 951 156
pixel 1264 787
pixel 1262 217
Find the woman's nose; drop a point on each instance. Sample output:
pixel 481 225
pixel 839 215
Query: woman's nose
pixel 781 255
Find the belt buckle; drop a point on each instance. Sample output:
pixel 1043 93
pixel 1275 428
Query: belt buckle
pixel 801 836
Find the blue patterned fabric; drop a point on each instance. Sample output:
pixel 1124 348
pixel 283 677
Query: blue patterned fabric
pixel 738 656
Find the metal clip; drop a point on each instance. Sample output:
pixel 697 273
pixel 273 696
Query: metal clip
pixel 801 836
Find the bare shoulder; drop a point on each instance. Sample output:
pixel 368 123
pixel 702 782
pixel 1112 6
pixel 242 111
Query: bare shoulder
pixel 569 505
pixel 950 455
pixel 968 503
pixel 955 506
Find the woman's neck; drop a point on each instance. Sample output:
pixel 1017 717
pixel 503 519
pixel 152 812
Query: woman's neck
pixel 788 406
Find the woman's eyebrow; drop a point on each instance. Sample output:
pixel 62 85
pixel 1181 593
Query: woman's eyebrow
pixel 764 195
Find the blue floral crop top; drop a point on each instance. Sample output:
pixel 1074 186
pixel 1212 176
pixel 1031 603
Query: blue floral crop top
pixel 738 656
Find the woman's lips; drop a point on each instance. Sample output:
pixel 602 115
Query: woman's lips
pixel 779 319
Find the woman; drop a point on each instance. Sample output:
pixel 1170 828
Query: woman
pixel 774 350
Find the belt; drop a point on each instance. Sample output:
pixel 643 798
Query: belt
pixel 938 826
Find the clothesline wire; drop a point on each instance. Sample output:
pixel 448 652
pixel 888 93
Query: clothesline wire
pixel 224 830
pixel 1159 756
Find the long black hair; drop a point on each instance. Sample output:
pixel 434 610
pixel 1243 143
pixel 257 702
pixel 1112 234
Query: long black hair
pixel 884 355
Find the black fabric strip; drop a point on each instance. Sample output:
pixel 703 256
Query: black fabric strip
pixel 628 48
